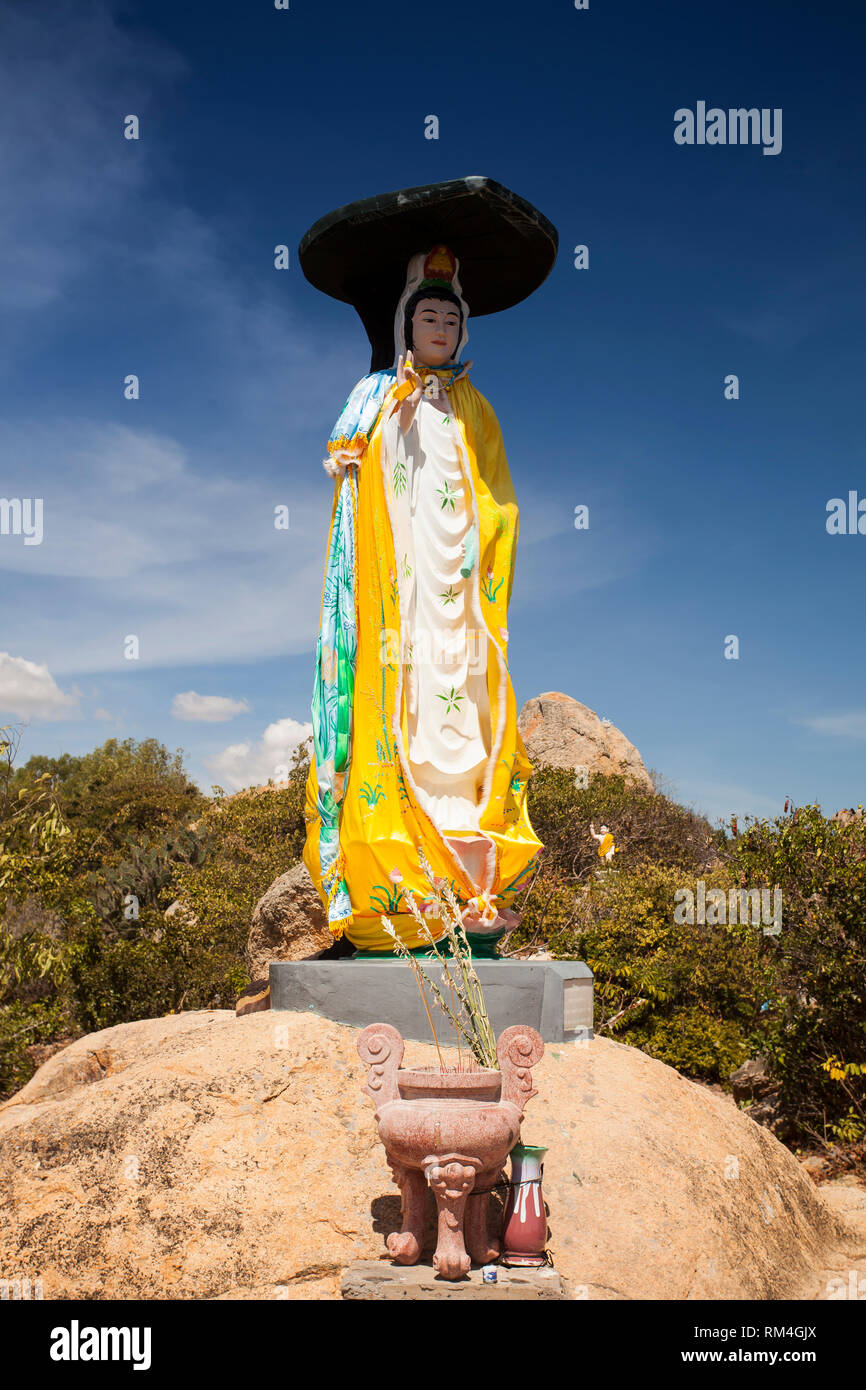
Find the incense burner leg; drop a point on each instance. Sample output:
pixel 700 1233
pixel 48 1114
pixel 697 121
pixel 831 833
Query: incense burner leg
pixel 481 1247
pixel 452 1178
pixel 405 1246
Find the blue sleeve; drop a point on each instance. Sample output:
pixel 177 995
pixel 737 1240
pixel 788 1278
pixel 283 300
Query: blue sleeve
pixel 351 434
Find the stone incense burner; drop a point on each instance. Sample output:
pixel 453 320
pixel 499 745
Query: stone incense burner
pixel 452 1130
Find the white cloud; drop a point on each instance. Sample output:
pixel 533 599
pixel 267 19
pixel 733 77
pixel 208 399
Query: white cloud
pixel 254 764
pixel 211 709
pixel 118 502
pixel 182 552
pixel 851 725
pixel 28 690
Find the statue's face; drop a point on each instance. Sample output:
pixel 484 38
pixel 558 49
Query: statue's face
pixel 435 331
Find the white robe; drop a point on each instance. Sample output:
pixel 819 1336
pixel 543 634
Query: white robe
pixel 444 639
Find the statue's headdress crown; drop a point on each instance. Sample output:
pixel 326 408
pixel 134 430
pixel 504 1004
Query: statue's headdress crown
pixel 440 267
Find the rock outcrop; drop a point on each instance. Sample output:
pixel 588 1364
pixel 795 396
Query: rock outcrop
pixel 561 732
pixel 752 1080
pixel 289 922
pixel 205 1156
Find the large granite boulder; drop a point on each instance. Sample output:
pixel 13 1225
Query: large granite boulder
pixel 289 923
pixel 561 732
pixel 209 1157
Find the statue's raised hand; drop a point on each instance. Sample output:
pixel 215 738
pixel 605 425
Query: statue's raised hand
pixel 407 377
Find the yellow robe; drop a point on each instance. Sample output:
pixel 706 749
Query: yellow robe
pixel 381 820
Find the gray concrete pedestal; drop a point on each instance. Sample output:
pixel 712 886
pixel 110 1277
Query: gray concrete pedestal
pixel 554 997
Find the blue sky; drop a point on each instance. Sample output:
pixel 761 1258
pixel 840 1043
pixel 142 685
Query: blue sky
pixel 155 257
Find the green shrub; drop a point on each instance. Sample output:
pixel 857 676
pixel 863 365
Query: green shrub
pixel 254 837
pixel 21 1026
pixel 690 995
pixel 119 791
pixel 80 835
pixel 172 964
pixel 705 998
pixel 648 828
pixel 817 1025
pixel 32 829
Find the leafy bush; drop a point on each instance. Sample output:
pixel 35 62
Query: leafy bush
pixel 689 995
pixel 254 837
pixel 648 828
pixel 23 1027
pixel 168 966
pixel 128 812
pixel 36 1003
pixel 31 823
pixel 119 791
pixel 704 999
pixel 79 839
pixel 815 1034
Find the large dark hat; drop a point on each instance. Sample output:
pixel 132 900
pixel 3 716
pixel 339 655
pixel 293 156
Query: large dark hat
pixel 359 253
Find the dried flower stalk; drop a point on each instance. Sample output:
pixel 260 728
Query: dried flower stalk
pixel 468 1011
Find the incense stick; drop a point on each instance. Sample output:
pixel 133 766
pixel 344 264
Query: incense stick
pixel 429 1016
